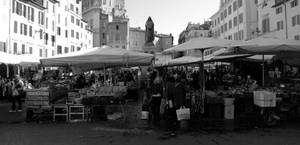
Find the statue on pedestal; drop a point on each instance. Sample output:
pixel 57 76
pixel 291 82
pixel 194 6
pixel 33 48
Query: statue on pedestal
pixel 149 34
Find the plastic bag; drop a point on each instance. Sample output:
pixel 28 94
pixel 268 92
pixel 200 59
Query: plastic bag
pixel 183 113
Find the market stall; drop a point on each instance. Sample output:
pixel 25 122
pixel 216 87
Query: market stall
pixel 83 93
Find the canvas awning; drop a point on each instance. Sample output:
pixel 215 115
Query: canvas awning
pixel 100 57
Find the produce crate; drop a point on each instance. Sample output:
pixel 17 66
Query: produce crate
pixel 265 99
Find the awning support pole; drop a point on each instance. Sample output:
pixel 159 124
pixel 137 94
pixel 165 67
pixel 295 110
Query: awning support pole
pixel 263 71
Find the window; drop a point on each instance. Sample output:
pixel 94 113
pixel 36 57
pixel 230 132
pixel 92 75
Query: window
pixel 24 11
pixel 59 49
pixel 297 37
pixel 104 2
pixel 117 27
pixel 240 18
pixel 294 3
pixel 23 48
pixel 25 29
pixel 230 24
pixel 72 33
pixel 78 48
pixel 30 50
pixel 41 52
pixel 66 21
pixel 52 39
pixel 72 48
pixel 53 26
pixel 46 53
pixel 41 34
pixel 77 35
pixel 296 20
pixel 278 10
pixel 46 38
pixel 53 8
pixel 21 28
pixel 66 50
pixel 41 18
pixel 66 33
pixel 72 19
pixel 72 7
pixel 222 28
pixel 58 31
pixel 15 48
pixel 30 31
pixel 240 3
pixel 229 10
pixel 58 18
pixel 15 26
pixel 225 27
pixel 30 15
pixel 19 9
pixel 234 21
pixel 279 25
pixel 266 25
pixel 225 13
pixel 234 6
pixel 77 11
pixel 46 23
pixel 77 22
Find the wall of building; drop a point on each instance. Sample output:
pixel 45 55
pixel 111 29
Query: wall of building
pixel 118 34
pixel 136 39
pixel 277 15
pixel 164 42
pixel 245 15
pixel 48 29
pixel 4 16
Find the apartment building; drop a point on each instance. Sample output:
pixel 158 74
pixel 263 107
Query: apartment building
pixel 44 28
pixel 235 20
pixel 279 18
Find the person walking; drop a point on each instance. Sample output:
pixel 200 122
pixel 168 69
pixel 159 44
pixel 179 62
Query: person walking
pixel 17 91
pixel 157 89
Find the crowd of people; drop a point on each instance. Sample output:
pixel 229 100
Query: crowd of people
pixel 13 90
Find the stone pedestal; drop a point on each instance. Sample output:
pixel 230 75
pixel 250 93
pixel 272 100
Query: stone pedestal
pixel 150 49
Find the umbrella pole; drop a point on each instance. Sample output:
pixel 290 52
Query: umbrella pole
pixel 263 71
pixel 203 81
pixel 104 74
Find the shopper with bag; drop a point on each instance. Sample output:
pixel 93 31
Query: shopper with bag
pixel 17 89
pixel 157 89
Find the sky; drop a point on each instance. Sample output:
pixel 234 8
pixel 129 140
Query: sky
pixel 170 16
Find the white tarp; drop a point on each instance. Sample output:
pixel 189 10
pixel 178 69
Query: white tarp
pixel 201 43
pixel 100 57
pixel 23 60
pixel 267 45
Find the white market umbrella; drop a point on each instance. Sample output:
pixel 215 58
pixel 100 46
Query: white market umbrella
pixel 268 45
pixel 201 43
pixel 100 57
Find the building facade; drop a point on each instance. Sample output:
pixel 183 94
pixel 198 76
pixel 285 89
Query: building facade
pixel 279 18
pixel 194 31
pixel 164 42
pixel 235 20
pixel 136 39
pixel 118 33
pixel 44 28
pixel 98 14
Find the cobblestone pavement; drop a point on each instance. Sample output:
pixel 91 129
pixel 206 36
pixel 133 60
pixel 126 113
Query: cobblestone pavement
pixel 103 134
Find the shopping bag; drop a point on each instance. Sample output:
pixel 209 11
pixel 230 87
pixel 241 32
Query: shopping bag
pixel 183 113
pixel 162 107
